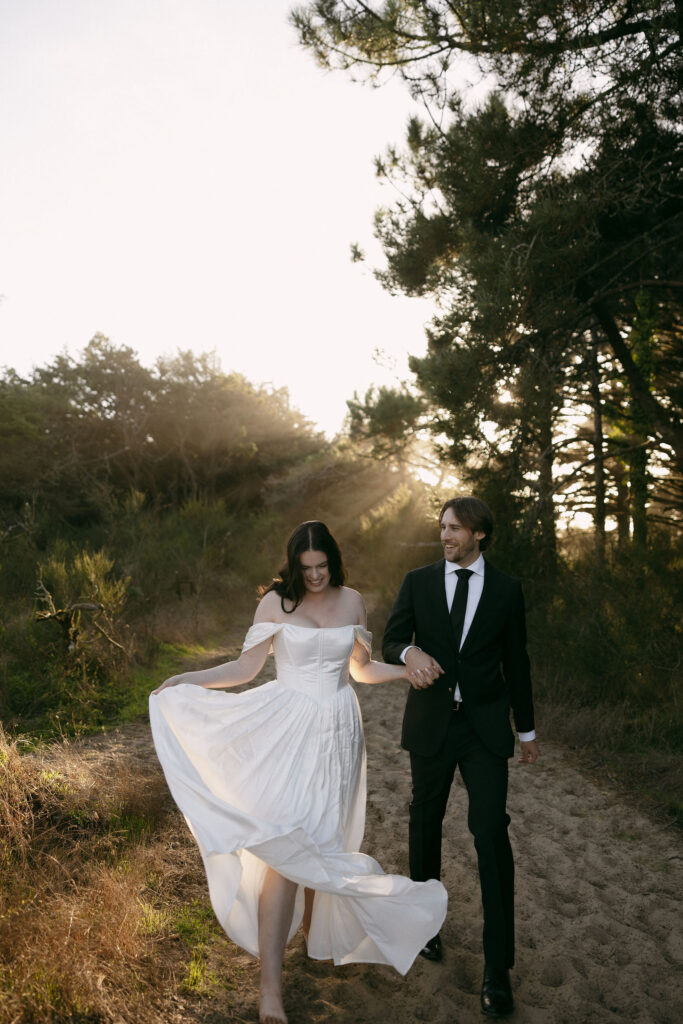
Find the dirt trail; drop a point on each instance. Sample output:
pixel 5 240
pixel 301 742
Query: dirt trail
pixel 599 934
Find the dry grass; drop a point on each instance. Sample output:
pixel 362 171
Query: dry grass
pixel 618 744
pixel 103 909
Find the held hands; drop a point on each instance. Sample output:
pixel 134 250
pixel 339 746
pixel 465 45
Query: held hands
pixel 422 668
pixel 529 753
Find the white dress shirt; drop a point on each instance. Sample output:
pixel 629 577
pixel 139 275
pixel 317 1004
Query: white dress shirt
pixel 476 585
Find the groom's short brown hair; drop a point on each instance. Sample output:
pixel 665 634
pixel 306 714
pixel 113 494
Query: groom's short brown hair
pixel 474 514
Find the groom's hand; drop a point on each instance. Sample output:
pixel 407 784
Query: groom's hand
pixel 529 752
pixel 422 668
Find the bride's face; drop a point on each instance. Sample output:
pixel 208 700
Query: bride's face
pixel 315 570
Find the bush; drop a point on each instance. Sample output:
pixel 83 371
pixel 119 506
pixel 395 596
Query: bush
pixel 610 638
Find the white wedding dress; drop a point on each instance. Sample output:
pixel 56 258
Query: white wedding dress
pixel 275 776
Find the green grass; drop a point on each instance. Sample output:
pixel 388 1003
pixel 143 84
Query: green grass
pixel 115 702
pixel 154 920
pixel 196 924
pixel 168 660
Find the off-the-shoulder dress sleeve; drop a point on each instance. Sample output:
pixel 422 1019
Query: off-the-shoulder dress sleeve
pixel 364 637
pixel 259 632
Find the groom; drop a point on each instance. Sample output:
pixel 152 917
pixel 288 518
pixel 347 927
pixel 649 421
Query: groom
pixel 458 625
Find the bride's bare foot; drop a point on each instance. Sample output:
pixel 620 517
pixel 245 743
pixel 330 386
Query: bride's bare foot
pixel 271 1010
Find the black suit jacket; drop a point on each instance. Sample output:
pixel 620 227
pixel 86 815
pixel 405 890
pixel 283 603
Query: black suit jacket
pixel 491 668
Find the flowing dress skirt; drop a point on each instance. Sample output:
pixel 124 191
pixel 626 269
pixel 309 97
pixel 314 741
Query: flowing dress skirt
pixel 275 776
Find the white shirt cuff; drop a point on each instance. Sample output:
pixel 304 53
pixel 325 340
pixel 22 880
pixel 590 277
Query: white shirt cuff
pixel 526 737
pixel 405 650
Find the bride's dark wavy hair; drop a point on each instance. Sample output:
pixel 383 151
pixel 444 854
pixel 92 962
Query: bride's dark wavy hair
pixel 310 536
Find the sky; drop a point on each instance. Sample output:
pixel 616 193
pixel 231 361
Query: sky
pixel 180 174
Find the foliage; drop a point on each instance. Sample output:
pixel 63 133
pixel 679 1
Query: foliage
pixel 127 497
pixel 619 627
pixel 109 427
pixel 386 418
pixel 524 296
pixel 80 596
pixel 91 600
pixel 545 219
pixel 550 52
pixel 74 658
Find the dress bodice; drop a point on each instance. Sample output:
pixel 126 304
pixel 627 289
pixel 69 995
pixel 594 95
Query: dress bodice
pixel 313 660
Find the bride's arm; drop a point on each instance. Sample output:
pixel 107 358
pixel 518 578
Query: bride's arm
pixel 364 670
pixel 231 673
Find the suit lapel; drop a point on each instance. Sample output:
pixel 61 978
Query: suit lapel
pixel 442 619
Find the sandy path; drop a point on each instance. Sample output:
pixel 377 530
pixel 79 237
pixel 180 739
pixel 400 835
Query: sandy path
pixel 599 933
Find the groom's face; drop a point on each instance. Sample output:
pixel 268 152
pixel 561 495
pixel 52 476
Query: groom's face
pixel 460 544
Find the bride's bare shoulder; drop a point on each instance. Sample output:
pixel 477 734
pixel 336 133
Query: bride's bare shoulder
pixel 354 601
pixel 269 608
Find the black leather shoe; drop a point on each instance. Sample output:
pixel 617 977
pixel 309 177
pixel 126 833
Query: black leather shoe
pixel 433 950
pixel 496 993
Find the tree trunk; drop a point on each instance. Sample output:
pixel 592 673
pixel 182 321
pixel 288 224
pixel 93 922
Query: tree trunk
pixel 622 510
pixel 598 450
pixel 546 505
pixel 638 479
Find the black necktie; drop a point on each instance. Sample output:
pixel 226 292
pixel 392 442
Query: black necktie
pixel 459 606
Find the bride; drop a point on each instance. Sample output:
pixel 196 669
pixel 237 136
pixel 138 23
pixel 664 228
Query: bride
pixel 272 781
